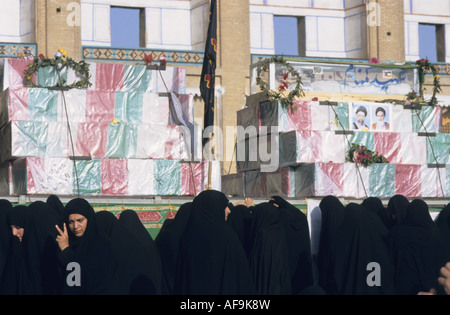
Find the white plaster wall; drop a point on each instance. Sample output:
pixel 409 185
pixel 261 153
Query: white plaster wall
pixel 17 21
pixel 170 24
pixel 333 28
pixel 262 34
pixel 95 24
pixel 431 12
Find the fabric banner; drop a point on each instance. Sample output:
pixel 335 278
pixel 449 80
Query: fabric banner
pixel 94 140
pixel 111 177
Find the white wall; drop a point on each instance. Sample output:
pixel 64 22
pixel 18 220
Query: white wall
pixel 419 11
pixel 333 28
pixel 170 24
pixel 17 21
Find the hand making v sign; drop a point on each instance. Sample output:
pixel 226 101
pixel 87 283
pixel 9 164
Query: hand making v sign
pixel 62 238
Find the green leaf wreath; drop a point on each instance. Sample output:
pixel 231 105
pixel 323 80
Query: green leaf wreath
pixel 280 93
pixel 362 155
pixel 425 66
pixel 60 62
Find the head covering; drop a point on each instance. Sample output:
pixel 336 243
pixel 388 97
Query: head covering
pixel 92 252
pixel 5 234
pixel 130 220
pixel 54 202
pixel 361 247
pixel 298 242
pixel 380 109
pixel 240 219
pixel 17 279
pixel 361 109
pixel 443 224
pixel 211 258
pixel 134 268
pixel 42 248
pixel 397 207
pixel 168 242
pixel 332 218
pixel 375 205
pixel 269 258
pixel 418 250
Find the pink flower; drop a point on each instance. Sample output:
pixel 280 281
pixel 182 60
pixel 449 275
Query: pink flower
pixel 374 60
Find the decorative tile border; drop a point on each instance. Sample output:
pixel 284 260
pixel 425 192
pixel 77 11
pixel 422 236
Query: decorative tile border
pixel 98 53
pixel 13 50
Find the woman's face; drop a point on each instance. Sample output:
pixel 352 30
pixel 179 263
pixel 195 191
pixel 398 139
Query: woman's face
pixel 227 212
pixel 77 224
pixel 17 231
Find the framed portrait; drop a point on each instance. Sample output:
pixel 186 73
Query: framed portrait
pixel 359 117
pixel 381 117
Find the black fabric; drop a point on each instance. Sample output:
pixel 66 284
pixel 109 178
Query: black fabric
pixel 134 272
pixel 332 219
pixel 363 238
pixel 375 205
pixel 5 235
pixel 240 219
pixel 43 248
pixel 92 252
pixel 130 219
pixel 269 257
pixel 397 208
pixel 168 243
pixel 54 202
pixel 17 278
pixel 298 241
pixel 418 250
pixel 211 260
pixel 443 224
pixel 351 239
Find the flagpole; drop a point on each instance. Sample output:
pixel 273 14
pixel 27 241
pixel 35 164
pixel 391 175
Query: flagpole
pixel 207 78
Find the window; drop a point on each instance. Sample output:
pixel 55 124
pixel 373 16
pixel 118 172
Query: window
pixel 127 27
pixel 432 42
pixel 289 33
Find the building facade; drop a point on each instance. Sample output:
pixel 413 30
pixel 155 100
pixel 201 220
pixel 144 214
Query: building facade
pixel 325 29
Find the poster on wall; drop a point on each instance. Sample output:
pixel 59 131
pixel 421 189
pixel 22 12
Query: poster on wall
pixel 370 117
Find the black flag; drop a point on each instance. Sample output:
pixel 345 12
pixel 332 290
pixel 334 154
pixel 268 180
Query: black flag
pixel 207 79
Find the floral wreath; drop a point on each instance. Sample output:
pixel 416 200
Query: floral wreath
pixel 286 100
pixel 59 62
pixel 360 154
pixel 426 66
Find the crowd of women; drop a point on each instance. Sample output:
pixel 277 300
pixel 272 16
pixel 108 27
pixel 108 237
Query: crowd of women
pixel 214 247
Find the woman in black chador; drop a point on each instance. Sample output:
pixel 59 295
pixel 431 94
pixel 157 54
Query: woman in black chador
pixel 32 265
pixel 269 257
pixel 212 260
pixel 418 249
pixel 130 220
pixel 5 235
pixel 168 243
pixel 298 241
pixel 86 256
